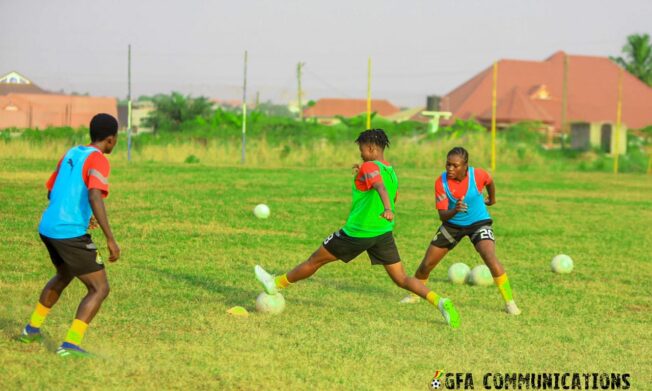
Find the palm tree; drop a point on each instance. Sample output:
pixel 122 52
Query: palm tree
pixel 638 57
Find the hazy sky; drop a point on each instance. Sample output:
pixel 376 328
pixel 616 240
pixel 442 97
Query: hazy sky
pixel 196 47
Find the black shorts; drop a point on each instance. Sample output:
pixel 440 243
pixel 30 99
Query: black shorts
pixel 448 235
pixel 75 256
pixel 381 249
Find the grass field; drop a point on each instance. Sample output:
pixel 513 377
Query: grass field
pixel 190 242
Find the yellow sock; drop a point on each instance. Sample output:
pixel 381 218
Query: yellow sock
pixel 502 282
pixel 282 281
pixel 76 332
pixel 432 298
pixel 38 316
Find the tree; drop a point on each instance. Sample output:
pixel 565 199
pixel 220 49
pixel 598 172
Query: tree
pixel 273 110
pixel 173 110
pixel 637 57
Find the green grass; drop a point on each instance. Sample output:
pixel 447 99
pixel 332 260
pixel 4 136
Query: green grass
pixel 190 242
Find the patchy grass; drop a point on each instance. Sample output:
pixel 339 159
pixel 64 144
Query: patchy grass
pixel 190 242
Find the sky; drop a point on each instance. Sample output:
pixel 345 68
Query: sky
pixel 417 47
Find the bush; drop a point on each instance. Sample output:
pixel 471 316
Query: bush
pixel 191 159
pixel 279 140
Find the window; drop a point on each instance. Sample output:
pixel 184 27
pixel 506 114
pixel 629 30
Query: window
pixel 605 138
pixel 580 135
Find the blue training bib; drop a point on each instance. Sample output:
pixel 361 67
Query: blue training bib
pixel 477 210
pixel 69 212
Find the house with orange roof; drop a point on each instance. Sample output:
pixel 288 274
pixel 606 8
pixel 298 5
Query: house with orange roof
pixel 25 105
pixel 533 91
pixel 326 110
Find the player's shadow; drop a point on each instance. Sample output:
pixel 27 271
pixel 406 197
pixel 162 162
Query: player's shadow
pixel 232 295
pixel 356 286
pixel 380 289
pixel 10 324
pixel 11 328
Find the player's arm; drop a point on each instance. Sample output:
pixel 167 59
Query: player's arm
pixel 460 207
pixel 355 169
pixel 441 203
pixel 387 214
pixel 97 180
pixel 97 204
pixel 50 183
pixel 491 190
pixel 485 180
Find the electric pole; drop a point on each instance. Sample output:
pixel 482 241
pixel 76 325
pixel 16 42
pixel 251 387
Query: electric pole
pixel 299 93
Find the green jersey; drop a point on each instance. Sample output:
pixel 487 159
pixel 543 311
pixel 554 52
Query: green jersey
pixel 364 219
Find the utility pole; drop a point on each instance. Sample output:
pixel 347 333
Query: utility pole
pixel 369 93
pixel 244 108
pixel 129 104
pixel 299 93
pixel 619 111
pixel 494 91
pixel 564 103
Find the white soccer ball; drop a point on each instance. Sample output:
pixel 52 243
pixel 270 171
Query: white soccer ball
pixel 458 273
pixel 562 264
pixel 270 304
pixel 261 211
pixel 481 276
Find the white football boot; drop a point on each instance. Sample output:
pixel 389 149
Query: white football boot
pixel 511 308
pixel 266 279
pixel 410 299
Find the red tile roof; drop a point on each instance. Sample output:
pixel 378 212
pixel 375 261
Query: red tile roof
pixel 592 93
pixel 44 110
pixel 330 107
pixel 516 106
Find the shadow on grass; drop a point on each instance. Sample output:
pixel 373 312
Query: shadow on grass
pixel 232 295
pixel 11 329
pixel 384 289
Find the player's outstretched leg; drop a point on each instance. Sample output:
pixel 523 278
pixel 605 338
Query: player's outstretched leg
pixel 487 250
pixel 272 284
pixel 98 289
pixel 430 260
pixel 49 296
pixel 446 307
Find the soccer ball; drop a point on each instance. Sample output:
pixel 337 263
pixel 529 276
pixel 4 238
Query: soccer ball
pixel 562 264
pixel 270 304
pixel 261 211
pixel 458 273
pixel 481 276
pixel 435 384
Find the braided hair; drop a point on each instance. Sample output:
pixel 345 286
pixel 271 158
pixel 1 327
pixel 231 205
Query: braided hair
pixel 373 136
pixel 461 152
